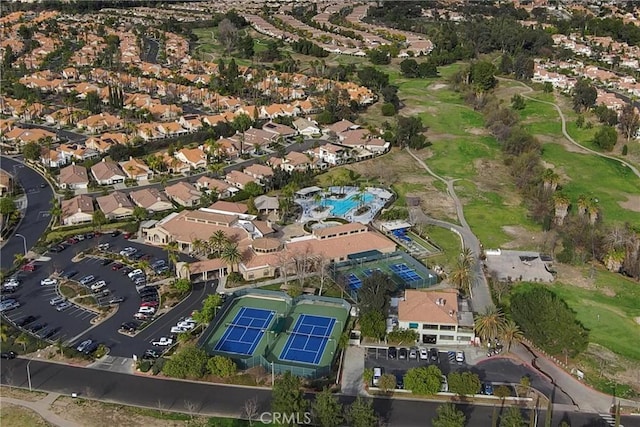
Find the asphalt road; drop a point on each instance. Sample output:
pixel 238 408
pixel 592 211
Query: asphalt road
pixel 150 53
pixel 36 218
pixel 224 400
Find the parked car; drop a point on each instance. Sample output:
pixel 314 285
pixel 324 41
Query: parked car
pixel 98 285
pixel 413 353
pixel 57 300
pixel 399 382
pixel 116 300
pixel 127 235
pixel 139 280
pixel 146 310
pixel 487 388
pixel 57 248
pixel 115 233
pixel 126 270
pixel 8 355
pixel 142 316
pixel 178 330
pixel 87 279
pixel 84 344
pixel 163 341
pixel 48 281
pixel 28 267
pixel 135 272
pixel 460 356
pixel 444 385
pixel 434 355
pixel 91 348
pixel 106 261
pixel 129 326
pixel 68 274
pixel 63 306
pixel 116 266
pixel 151 354
pixel 377 373
pixel 26 320
pixel 187 325
pixel 424 353
pixel 6 306
pixel 49 333
pixel 402 353
pixel 151 303
pixel 38 326
pixel 104 246
pixel 161 269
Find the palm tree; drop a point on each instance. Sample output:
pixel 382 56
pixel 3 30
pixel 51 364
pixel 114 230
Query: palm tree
pixel 56 209
pixel 490 323
pixel 4 332
pixel 550 179
pixel 462 275
pixel 561 205
pixel 231 255
pixel 172 249
pixel 583 204
pixel 23 339
pixel 197 245
pixel 510 333
pixel 467 258
pixel 318 199
pixel 218 241
pixel 18 259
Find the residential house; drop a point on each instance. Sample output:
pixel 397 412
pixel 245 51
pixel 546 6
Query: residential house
pixel 439 317
pixel 149 131
pixel 255 138
pixel 306 127
pixel 292 161
pixel 21 136
pixel 196 158
pixel 101 122
pixel 171 129
pixel 280 130
pixel 174 165
pixel 115 205
pixel 184 194
pixel 239 179
pixel 73 177
pixel 332 154
pixel 52 158
pixel 64 116
pixel 6 182
pixel 107 173
pixel 221 188
pixel 342 126
pixel 260 172
pixel 267 204
pixel 136 169
pixel 151 199
pixel 191 123
pixel 77 210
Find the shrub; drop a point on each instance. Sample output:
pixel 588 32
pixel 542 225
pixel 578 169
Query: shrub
pixel 144 366
pixel 388 109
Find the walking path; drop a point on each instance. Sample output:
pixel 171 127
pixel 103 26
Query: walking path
pixel 351 383
pixel 480 293
pixel 564 128
pixel 42 407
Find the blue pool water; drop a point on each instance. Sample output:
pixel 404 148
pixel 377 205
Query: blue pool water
pixel 341 207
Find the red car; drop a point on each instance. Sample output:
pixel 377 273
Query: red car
pixel 28 267
pixel 72 240
pixel 149 304
pixel 116 266
pixel 127 235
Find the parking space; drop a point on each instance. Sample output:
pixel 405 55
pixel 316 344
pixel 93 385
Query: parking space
pixel 381 358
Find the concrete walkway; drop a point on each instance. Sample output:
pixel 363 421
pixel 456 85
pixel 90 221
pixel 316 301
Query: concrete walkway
pixel 351 383
pixel 42 407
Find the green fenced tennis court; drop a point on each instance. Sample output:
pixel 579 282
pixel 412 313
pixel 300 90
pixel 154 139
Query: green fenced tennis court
pixel 287 341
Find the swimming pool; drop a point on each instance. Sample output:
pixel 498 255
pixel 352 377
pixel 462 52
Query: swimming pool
pixel 342 206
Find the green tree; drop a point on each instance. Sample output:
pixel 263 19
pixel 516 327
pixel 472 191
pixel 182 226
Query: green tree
pixel 98 219
pixel 182 285
pixel 584 95
pixel 423 380
pixel 629 122
pixel 220 366
pixel 361 414
pixel 510 334
pixel 606 138
pixel 547 321
pixel 387 382
pixel 31 151
pixel 253 189
pixel 517 102
pixel 388 109
pixel 482 75
pixel 372 324
pixel 326 409
pixel 288 396
pixel 409 133
pixel 367 376
pixel 489 323
pixel 547 87
pixel 92 102
pixel 208 310
pixel 512 417
pixel 7 206
pixel 189 362
pixel 464 383
pixel 448 416
pixel 231 255
pixel 139 213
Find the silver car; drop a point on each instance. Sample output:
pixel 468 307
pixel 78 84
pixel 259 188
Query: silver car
pixel 63 306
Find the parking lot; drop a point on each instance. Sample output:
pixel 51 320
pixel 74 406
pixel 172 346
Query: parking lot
pixel 379 357
pixel 74 324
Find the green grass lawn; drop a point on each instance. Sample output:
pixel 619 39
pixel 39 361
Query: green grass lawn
pixel 454 157
pixel 604 179
pixel 446 240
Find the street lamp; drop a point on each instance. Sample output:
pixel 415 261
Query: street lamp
pixel 24 241
pixel 29 373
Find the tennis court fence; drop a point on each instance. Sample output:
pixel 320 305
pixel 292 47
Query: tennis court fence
pixel 281 368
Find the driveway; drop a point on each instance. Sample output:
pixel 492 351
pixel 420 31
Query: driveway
pixel 36 217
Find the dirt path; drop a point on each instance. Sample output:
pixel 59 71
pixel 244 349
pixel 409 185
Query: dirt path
pixel 564 127
pixel 41 407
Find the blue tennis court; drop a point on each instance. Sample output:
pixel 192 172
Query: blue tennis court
pixel 354 281
pixel 407 274
pixel 245 331
pixel 307 341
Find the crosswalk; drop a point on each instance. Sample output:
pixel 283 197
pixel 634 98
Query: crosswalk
pixel 610 419
pixel 452 356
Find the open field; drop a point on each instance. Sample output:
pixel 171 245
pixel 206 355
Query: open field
pixel 18 416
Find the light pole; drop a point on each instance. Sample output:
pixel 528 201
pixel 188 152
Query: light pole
pixel 29 373
pixel 24 241
pixel 273 375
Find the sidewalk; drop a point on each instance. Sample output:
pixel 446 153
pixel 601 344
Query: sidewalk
pixel 42 408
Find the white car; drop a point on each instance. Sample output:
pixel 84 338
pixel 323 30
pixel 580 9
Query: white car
pixel 128 251
pixel 164 341
pixel 57 300
pixel 460 356
pixel 84 344
pixel 87 279
pixel 424 354
pixel 63 306
pixel 146 310
pixel 98 285
pixel 103 246
pixel 136 272
pixel 48 281
pixel 178 329
pixel 186 325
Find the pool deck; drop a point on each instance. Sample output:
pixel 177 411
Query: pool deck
pixel 380 197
